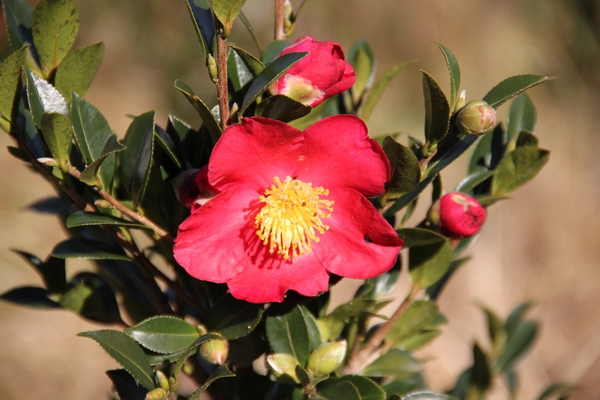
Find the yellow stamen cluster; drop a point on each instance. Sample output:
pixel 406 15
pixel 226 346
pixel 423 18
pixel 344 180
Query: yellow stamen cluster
pixel 291 216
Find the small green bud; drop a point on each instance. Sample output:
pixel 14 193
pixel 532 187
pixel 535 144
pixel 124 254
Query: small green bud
pixel 156 394
pixel 161 380
pixel 283 367
pixel 47 161
pixel 201 329
pixel 323 330
pixel 214 351
pixel 476 118
pixel 173 383
pixel 289 24
pixel 212 68
pixel 327 358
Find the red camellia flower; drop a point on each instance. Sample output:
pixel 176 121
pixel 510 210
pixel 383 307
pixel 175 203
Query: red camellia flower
pixel 321 74
pixel 290 208
pixel 459 215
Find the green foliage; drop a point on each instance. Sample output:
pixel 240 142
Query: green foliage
pixel 406 172
pixel 233 318
pixel 164 334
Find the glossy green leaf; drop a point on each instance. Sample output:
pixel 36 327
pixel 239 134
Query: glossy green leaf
pixel 437 110
pixel 470 181
pixel 273 49
pixel 168 145
pixel 17 17
pixel 35 297
pixel 126 352
pixel 87 249
pixel 204 23
pixel 78 69
pixel 221 372
pixel 419 237
pixel 234 318
pixel 192 350
pixel 314 335
pixel 10 73
pixel 282 108
pixel 378 88
pixel 395 363
pixel 365 388
pixel 417 317
pixel 237 71
pixel 91 297
pixel 82 218
pixel 517 168
pixel 226 11
pixel 164 334
pixel 203 111
pixel 57 131
pixel 288 334
pixel 254 65
pixel 54 26
pixel 522 116
pixel 427 264
pixel 454 71
pixel 363 62
pixel 43 98
pixel 426 395
pixel 135 161
pixel 511 87
pixel 517 344
pixel 268 76
pixel 406 172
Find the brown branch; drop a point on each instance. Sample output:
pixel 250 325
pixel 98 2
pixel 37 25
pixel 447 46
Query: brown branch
pixel 280 20
pixel 222 90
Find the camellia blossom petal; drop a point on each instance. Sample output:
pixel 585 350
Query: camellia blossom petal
pixel 322 73
pixel 290 209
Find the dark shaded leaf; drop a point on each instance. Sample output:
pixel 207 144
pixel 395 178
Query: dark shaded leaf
pixel 78 69
pixel 288 334
pixel 511 87
pixel 273 49
pixel 314 335
pixel 58 134
pixel 518 342
pixel 226 11
pixel 417 317
pixel 29 296
pixel 419 237
pixel 454 71
pixel 221 372
pixel 365 388
pixel 517 168
pixel 17 17
pixel 234 318
pixel 282 108
pixel 203 111
pixel 522 116
pixel 480 375
pixel 54 26
pixel 91 297
pixel 253 64
pixel 363 62
pixel 406 172
pixel 10 73
pixel 126 352
pixel 52 271
pixel 81 248
pixel 344 312
pixel 82 218
pixel 378 88
pixel 164 334
pixel 127 388
pixel 437 110
pixel 395 363
pixel 204 23
pixel 427 264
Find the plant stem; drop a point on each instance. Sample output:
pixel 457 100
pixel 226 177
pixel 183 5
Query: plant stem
pixel 279 20
pixel 222 91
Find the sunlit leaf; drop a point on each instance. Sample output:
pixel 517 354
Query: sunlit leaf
pixel 454 70
pixel 517 168
pixel 288 334
pixel 58 134
pixel 226 11
pixel 427 264
pixel 511 87
pixel 78 69
pixel 10 72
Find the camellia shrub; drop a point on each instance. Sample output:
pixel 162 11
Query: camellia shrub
pixel 254 215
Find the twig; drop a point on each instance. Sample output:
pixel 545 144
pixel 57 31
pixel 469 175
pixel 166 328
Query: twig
pixel 222 90
pixel 279 19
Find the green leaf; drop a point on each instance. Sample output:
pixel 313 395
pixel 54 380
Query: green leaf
pixel 437 110
pixel 517 168
pixel 54 26
pixel 496 331
pixel 517 344
pixel 254 65
pixel 427 264
pixel 91 297
pixel 135 161
pixel 57 131
pixel 226 11
pixel 234 318
pixel 52 271
pixel 164 334
pixel 426 395
pixel 237 71
pixel 221 372
pixel 526 138
pixel 363 62
pixel 282 108
pixel 419 237
pixel 406 172
pixel 381 285
pixel 288 334
pixel 344 312
pixel 562 390
pixel 268 76
pixel 203 111
pixel 454 71
pixel 417 317
pixel 87 249
pixel 192 350
pixel 82 218
pixel 472 180
pixel 43 98
pixel 511 87
pixel 378 88
pixel 480 373
pixel 395 363
pixel 126 352
pixel 10 73
pixel 522 116
pixel 204 23
pixel 314 335
pixel 35 297
pixel 78 69
pixel 17 17
pixel 273 49
pixel 437 188
pixel 364 389
pixel 398 387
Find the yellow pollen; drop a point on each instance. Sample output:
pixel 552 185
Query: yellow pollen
pixel 291 216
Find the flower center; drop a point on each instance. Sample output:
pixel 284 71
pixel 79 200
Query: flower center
pixel 291 216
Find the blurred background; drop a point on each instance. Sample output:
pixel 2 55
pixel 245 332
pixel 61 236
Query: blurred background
pixel 542 245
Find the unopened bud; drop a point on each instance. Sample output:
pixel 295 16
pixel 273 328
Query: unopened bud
pixel 458 215
pixel 476 118
pixel 156 394
pixel 323 330
pixel 50 162
pixel 283 367
pixel 161 380
pixel 289 23
pixel 212 68
pixel 103 204
pixel 327 358
pixel 214 351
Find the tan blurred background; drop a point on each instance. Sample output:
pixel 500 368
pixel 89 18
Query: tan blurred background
pixel 542 245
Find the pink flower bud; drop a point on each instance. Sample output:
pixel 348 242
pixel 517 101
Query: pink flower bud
pixel 192 188
pixel 321 74
pixel 458 215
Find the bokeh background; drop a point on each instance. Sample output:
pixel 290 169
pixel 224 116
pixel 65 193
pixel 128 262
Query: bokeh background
pixel 541 245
